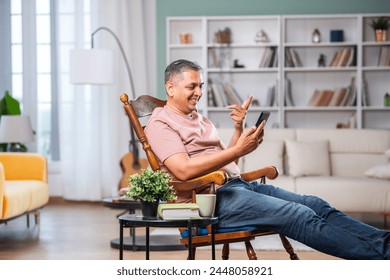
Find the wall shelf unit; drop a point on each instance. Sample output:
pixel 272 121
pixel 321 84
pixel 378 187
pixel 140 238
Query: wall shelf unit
pixel 284 72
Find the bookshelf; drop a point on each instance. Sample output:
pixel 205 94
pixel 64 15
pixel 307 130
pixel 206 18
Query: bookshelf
pixel 283 72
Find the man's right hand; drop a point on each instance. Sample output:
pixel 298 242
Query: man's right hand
pixel 250 139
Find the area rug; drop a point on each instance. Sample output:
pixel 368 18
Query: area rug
pixel 267 243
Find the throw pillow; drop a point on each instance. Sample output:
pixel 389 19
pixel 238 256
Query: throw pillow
pixel 387 154
pixel 308 158
pixel 379 172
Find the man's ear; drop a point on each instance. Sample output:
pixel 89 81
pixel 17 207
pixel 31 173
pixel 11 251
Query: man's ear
pixel 169 88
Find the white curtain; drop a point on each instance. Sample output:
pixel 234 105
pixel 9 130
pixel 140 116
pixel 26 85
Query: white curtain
pixel 94 131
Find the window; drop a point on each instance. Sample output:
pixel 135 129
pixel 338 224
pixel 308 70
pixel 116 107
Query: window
pixel 33 78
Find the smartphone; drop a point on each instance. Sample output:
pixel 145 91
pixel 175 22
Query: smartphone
pixel 263 116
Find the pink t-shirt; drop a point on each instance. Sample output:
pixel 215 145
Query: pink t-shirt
pixel 170 133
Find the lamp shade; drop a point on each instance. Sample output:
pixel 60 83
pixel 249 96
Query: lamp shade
pixel 16 129
pixel 92 66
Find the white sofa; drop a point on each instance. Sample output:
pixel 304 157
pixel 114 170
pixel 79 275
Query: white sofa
pixel 349 168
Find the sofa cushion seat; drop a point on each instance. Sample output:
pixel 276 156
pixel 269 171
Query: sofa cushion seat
pixel 349 194
pixel 21 196
pixel 284 182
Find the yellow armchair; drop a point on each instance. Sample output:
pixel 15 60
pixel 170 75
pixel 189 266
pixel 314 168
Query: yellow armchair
pixel 23 185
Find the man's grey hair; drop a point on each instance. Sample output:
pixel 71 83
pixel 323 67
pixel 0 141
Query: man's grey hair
pixel 180 66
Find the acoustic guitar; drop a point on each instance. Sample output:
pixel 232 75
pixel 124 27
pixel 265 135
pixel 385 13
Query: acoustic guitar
pixel 131 163
pixel 128 168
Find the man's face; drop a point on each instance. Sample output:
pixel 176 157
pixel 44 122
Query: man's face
pixel 185 90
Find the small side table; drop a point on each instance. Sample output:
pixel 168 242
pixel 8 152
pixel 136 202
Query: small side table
pixel 137 243
pixel 126 221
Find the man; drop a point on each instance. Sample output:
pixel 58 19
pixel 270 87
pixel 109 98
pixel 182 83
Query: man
pixel 187 145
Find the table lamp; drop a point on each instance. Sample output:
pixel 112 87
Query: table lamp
pixel 14 131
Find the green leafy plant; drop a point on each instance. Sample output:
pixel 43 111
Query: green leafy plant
pixel 381 23
pixel 10 106
pixel 150 186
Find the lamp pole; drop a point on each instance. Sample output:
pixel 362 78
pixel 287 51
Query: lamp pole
pixel 133 146
pixel 122 52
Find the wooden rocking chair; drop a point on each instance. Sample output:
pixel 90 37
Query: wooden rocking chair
pixel 142 107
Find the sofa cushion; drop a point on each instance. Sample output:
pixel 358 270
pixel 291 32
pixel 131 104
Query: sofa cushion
pixel 379 172
pixel 24 195
pixel 348 194
pixel 270 152
pixel 308 158
pixel 16 201
pixel 387 154
pixel 284 182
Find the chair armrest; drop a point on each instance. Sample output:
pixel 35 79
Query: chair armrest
pixel 270 172
pixel 218 177
pixel 24 166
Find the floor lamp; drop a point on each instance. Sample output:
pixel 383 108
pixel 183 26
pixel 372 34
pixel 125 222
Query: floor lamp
pixel 96 67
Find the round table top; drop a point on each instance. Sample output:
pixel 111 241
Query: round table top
pixel 118 203
pixel 137 220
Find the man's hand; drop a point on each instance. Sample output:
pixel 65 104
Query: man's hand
pixel 250 139
pixel 238 113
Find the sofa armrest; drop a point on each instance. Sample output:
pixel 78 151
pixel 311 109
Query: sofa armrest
pixel 2 183
pixel 24 166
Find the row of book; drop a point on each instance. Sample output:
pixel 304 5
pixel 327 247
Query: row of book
pixel 384 56
pixel 343 96
pixel 269 58
pixel 222 94
pixel 343 58
pixel 292 58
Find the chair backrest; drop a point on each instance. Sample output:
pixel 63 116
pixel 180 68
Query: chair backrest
pixel 136 109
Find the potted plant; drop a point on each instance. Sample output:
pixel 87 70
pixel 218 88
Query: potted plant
pixel 150 187
pixel 380 27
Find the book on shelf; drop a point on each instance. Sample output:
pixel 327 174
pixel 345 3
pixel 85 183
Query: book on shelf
pixel 338 97
pixel 321 97
pixel 178 211
pixel 293 59
pixel 344 58
pixel 384 56
pixel 326 96
pixel 288 99
pixel 211 102
pixel 342 96
pixel 365 96
pixel 352 98
pixel 269 58
pixel 217 94
pixel 231 95
pixel 271 98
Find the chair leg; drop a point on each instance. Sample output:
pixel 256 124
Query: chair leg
pixel 288 247
pixel 225 251
pixel 250 251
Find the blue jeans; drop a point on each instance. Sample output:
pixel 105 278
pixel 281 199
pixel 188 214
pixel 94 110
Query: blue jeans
pixel 307 219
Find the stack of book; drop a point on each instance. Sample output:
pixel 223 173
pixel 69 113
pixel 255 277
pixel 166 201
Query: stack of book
pixel 269 58
pixel 343 96
pixel 292 58
pixel 178 211
pixel 222 94
pixel 343 58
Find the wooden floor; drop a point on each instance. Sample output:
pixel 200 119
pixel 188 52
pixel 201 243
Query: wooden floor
pixel 83 231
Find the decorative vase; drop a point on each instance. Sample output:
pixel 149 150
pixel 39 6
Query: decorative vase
pixel 149 209
pixel 380 35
